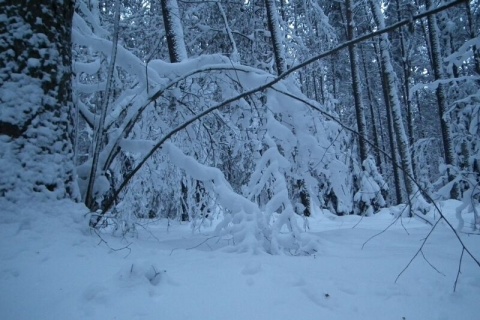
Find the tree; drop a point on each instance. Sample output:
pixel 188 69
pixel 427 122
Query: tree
pixel 357 93
pixel 447 140
pixel 276 38
pixel 394 102
pixel 35 92
pixel 173 31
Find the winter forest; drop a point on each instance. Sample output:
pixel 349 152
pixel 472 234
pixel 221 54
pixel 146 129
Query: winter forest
pixel 264 133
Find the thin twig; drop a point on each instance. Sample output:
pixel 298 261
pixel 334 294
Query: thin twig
pixel 127 247
pixel 198 245
pixel 403 226
pixel 418 251
pixel 381 232
pixel 149 232
pixel 459 270
pixel 431 265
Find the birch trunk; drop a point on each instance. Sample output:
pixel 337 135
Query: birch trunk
pixel 405 61
pixel 275 35
pixel 402 141
pixel 174 31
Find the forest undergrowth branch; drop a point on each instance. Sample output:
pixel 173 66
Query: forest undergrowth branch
pixel 102 240
pixel 245 94
pixel 269 85
pixel 420 189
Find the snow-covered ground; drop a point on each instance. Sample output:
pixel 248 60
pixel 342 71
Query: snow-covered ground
pixel 53 267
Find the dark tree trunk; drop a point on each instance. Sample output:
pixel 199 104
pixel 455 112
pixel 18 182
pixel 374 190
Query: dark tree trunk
pixel 376 137
pixel 36 154
pixel 473 33
pixel 357 93
pixel 447 140
pixel 391 133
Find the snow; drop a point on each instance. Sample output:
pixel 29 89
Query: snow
pixel 54 267
pixel 89 68
pixel 136 145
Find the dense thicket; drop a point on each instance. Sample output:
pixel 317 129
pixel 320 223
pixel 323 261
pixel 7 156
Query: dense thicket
pixel 187 109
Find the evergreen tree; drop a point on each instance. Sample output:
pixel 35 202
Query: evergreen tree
pixel 36 154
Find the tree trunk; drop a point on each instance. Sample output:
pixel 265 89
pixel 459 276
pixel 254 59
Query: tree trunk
pixel 36 154
pixel 473 34
pixel 177 52
pixel 405 61
pixel 300 187
pixel 357 94
pixel 376 142
pixel 275 35
pixel 441 97
pixel 174 31
pixel 99 138
pixel 391 139
pixel 404 148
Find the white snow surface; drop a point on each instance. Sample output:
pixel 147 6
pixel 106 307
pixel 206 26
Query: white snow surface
pixel 54 267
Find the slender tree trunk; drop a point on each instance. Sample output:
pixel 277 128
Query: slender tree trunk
pixel 178 53
pixel 333 77
pixel 90 197
pixel 405 61
pixel 174 31
pixel 392 140
pixel 357 94
pixel 36 154
pixel 447 140
pixel 404 148
pixel 234 56
pixel 378 159
pixel 322 93
pixel 275 35
pixel 473 34
pixel 421 131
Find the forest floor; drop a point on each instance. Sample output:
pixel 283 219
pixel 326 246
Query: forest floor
pixel 53 267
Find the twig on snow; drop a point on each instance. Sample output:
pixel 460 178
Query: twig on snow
pixel 127 247
pixel 459 270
